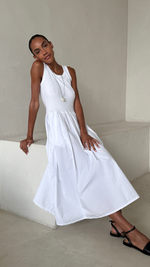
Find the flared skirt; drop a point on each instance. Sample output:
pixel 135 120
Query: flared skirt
pixel 79 183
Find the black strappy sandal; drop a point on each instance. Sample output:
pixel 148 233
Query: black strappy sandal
pixel 146 249
pixel 118 234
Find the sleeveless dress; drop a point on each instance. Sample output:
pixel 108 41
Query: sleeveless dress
pixel 78 183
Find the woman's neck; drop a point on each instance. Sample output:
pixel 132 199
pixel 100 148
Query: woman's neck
pixel 55 67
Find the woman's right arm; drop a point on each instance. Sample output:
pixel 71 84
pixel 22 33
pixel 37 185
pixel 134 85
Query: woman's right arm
pixel 36 77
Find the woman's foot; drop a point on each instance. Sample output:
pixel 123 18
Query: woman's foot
pixel 137 238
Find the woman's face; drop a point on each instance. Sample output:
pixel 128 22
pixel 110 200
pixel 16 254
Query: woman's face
pixel 43 50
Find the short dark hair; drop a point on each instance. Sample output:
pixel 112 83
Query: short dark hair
pixel 34 36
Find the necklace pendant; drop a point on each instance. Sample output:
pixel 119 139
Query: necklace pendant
pixel 63 99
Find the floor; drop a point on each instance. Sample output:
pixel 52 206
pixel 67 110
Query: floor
pixel 24 243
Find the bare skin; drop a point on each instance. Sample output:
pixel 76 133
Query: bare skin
pixel 43 52
pixel 137 238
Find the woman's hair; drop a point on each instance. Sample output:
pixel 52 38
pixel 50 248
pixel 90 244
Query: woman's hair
pixel 34 36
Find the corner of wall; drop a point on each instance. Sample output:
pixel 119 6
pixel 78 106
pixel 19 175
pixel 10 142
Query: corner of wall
pixel 126 114
pixel 149 149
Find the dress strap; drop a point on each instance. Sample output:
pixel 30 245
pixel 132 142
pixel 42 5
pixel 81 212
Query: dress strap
pixel 67 72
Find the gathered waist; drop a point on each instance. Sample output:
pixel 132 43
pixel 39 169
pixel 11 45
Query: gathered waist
pixel 57 112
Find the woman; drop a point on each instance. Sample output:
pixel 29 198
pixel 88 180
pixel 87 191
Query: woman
pixel 81 180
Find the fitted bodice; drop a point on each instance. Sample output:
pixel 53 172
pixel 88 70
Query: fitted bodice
pixel 54 87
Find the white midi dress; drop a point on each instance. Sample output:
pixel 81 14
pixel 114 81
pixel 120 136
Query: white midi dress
pixel 78 183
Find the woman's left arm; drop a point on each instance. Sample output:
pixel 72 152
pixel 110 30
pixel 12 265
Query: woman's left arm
pixel 87 140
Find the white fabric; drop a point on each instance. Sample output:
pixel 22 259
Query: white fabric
pixel 77 183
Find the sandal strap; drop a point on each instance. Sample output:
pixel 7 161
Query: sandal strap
pixel 129 241
pixel 111 221
pixel 114 227
pixel 125 233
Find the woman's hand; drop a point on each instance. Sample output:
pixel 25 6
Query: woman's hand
pixel 24 144
pixel 89 141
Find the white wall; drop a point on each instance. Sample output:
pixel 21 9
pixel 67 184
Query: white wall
pixel 87 35
pixel 20 176
pixel 138 66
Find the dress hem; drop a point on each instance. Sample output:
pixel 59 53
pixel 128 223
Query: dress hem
pixel 84 218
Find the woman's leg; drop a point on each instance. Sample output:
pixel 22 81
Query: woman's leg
pixel 137 238
pixel 117 226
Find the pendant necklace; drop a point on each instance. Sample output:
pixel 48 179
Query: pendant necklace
pixel 62 95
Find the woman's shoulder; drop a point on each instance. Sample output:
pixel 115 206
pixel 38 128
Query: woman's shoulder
pixel 71 71
pixel 37 67
pixel 37 64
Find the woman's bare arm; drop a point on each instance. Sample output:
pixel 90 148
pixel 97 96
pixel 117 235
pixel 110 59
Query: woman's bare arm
pixel 36 76
pixel 86 139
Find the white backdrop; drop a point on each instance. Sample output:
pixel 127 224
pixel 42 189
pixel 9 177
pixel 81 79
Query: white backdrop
pixel 138 71
pixel 90 36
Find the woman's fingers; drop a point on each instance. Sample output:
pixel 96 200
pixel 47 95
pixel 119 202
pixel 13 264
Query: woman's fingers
pixel 24 145
pixel 91 143
pixel 97 143
pixel 88 144
pixel 85 144
pixel 24 148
